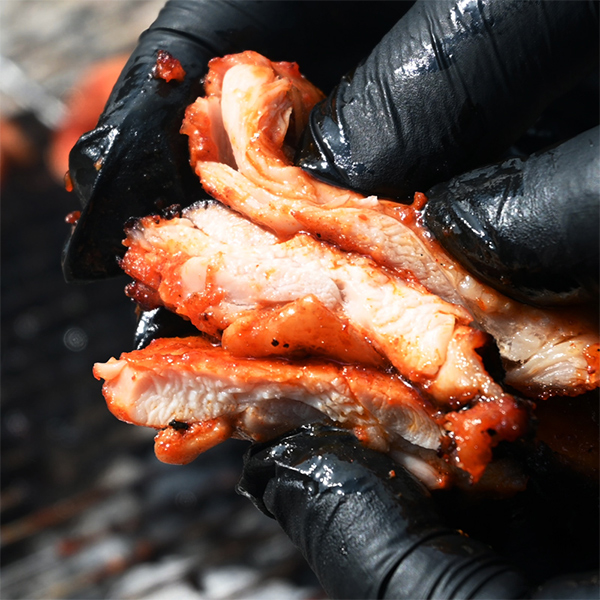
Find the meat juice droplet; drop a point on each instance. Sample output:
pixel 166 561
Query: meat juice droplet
pixel 73 217
pixel 68 182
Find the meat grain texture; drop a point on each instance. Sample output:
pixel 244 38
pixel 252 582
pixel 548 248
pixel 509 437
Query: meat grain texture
pixel 316 304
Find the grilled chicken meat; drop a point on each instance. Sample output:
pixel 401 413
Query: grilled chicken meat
pixel 314 303
pixel 214 267
pixel 207 395
pixel 545 351
pixel 189 380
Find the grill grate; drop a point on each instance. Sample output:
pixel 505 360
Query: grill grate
pixel 87 510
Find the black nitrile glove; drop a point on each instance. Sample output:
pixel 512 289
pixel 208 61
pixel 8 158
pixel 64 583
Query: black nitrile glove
pixel 451 87
pixel 136 162
pixel 368 529
pixel 529 227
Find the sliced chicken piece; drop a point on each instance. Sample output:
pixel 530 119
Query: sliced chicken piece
pixel 199 395
pixel 189 381
pixel 214 267
pixel 546 351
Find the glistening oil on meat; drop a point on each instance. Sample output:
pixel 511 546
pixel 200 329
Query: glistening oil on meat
pixel 316 304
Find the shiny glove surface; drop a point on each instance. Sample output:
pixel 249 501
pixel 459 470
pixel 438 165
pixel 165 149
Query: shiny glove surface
pixel 453 86
pixel 366 527
pixel 529 227
pixel 369 529
pixel 450 87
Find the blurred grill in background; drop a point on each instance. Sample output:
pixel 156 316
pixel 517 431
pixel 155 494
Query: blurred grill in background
pixel 87 510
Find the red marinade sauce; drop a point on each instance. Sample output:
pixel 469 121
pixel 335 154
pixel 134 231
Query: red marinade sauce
pixel 167 67
pixel 73 217
pixel 146 297
pixel 68 182
pixel 419 201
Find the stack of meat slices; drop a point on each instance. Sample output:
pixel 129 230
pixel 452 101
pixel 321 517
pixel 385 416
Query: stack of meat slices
pixel 316 304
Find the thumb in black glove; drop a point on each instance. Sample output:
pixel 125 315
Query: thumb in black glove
pixel 366 526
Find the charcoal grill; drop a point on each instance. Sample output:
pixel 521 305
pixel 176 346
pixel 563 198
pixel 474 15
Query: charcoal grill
pixel 87 510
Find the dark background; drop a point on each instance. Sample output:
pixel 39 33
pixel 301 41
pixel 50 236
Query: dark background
pixel 87 509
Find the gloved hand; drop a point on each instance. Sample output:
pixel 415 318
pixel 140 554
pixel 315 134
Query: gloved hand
pixel 369 529
pixel 528 227
pixel 135 162
pixel 136 156
pixel 451 87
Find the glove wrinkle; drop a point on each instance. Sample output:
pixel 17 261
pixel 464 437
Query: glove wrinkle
pixel 451 565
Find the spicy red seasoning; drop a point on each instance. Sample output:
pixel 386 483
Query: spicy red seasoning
pixel 167 67
pixel 68 182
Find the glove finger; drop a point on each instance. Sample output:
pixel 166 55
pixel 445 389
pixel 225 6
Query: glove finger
pixel 264 462
pixel 530 228
pixel 450 87
pixel 365 525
